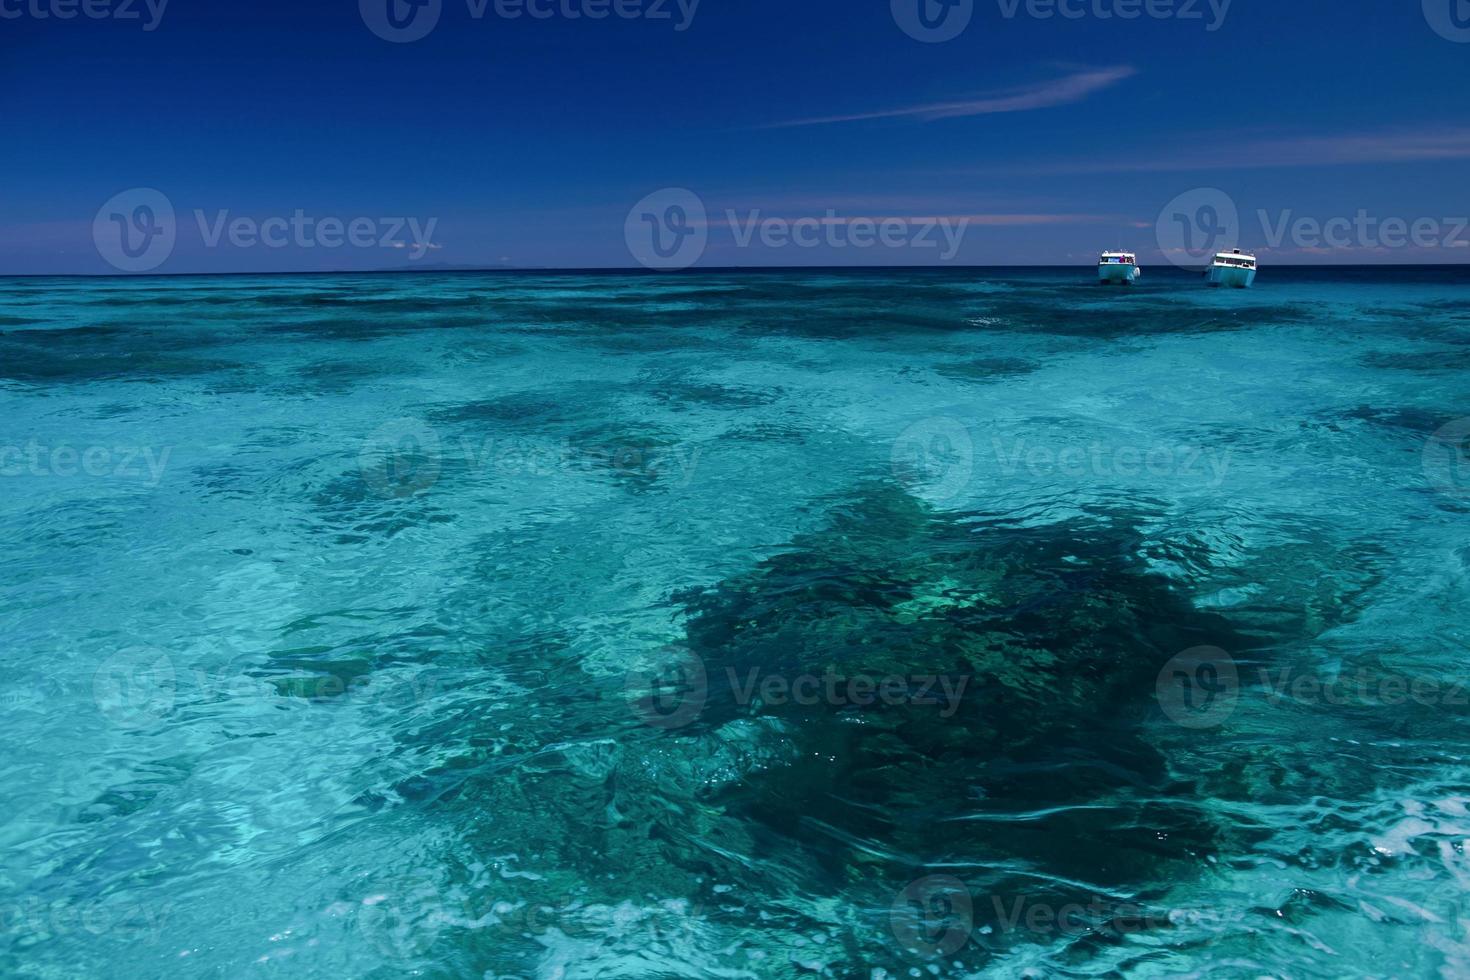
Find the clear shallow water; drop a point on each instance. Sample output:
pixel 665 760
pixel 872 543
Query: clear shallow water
pixel 367 626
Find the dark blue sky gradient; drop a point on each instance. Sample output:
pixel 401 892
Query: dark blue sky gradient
pixel 529 140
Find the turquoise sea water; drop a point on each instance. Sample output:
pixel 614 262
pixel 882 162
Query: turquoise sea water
pixel 745 625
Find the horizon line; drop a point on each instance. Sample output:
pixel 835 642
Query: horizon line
pixel 695 270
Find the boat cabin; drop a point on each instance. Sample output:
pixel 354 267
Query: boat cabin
pixel 1236 259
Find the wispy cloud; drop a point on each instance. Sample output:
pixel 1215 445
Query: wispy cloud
pixel 1234 152
pixel 733 218
pixel 1042 95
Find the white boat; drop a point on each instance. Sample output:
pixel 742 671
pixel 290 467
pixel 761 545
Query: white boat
pixel 1119 267
pixel 1233 268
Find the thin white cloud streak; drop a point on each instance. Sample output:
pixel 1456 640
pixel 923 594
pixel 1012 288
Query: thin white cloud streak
pixel 979 220
pixel 1043 95
pixel 1233 153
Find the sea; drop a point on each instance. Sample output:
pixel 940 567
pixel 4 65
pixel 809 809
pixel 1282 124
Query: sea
pixel 774 624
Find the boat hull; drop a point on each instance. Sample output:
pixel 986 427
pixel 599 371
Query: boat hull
pixel 1123 274
pixel 1231 277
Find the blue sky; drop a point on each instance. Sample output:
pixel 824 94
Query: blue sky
pixel 526 140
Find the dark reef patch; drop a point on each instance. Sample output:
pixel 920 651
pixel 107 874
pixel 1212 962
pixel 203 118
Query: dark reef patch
pixel 1428 361
pixel 681 395
pixel 101 352
pixel 1415 420
pixel 636 455
pixel 1041 782
pixel 134 361
pixel 877 307
pixel 371 302
pixel 988 368
pixel 1145 317
pixel 336 376
pixel 362 506
pixel 1061 632
pixel 368 327
pixel 517 409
